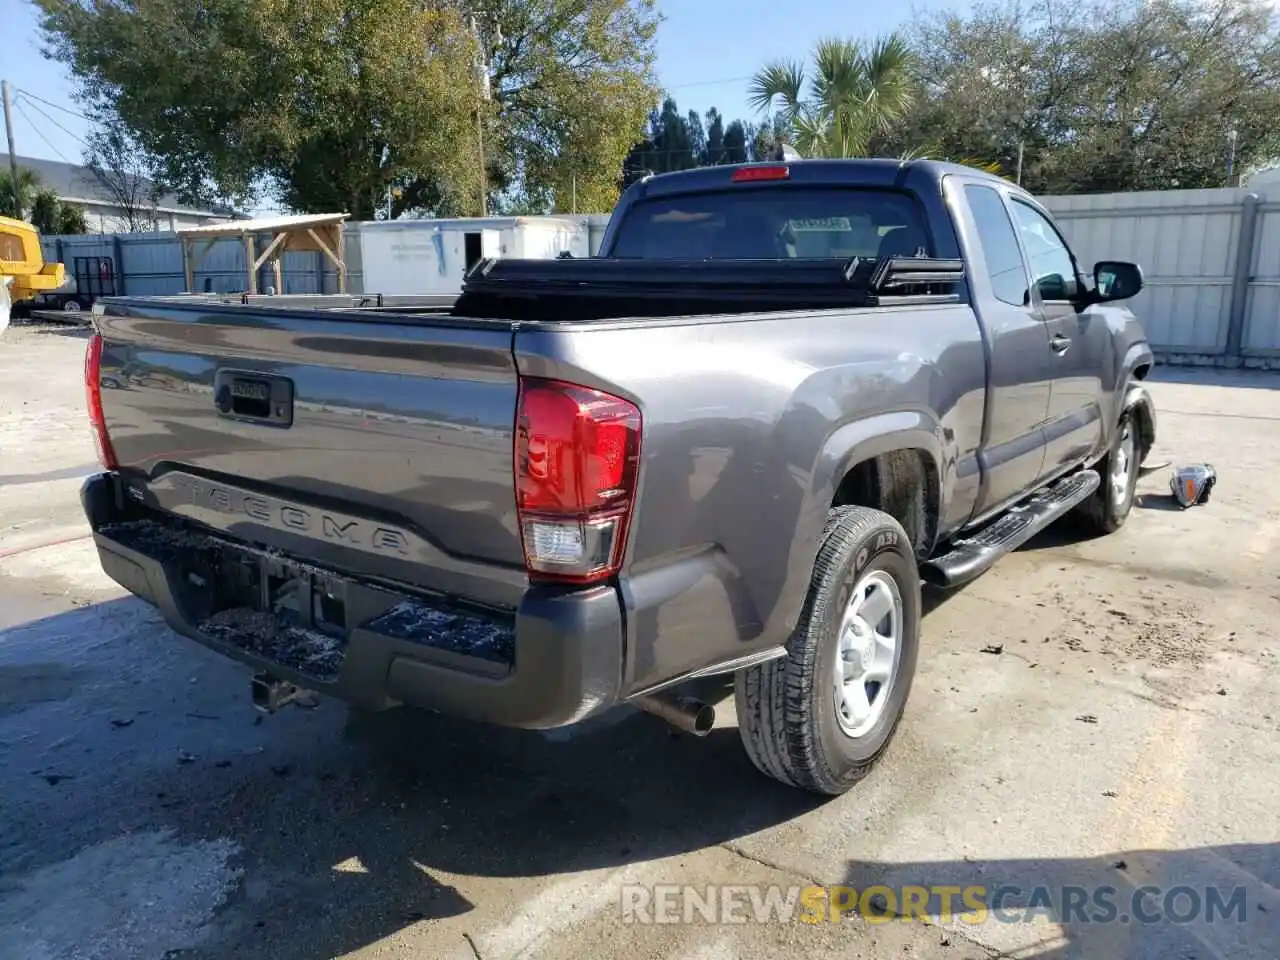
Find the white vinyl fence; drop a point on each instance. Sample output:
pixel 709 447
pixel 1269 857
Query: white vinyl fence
pixel 1211 260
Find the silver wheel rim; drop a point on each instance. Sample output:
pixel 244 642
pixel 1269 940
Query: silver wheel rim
pixel 70 306
pixel 1121 465
pixel 867 654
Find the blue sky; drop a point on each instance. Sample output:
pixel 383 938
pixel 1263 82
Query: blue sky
pixel 706 49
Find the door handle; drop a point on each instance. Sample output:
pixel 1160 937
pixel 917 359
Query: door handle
pixel 1060 344
pixel 256 397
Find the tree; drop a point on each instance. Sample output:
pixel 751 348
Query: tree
pixel 735 144
pixel 697 138
pixel 331 102
pixel 1143 95
pixel 28 187
pixel 673 143
pixel 667 145
pixel 121 167
pixel 71 219
pixel 854 92
pixel 715 137
pixel 52 217
pixel 764 140
pixel 573 85
pixel 676 141
pixel 42 207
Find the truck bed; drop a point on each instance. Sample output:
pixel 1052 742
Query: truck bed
pixel 385 445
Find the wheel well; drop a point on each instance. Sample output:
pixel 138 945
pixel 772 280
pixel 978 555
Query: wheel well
pixel 1146 430
pixel 902 483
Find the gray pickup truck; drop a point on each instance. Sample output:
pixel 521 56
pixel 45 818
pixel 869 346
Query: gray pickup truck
pixel 783 398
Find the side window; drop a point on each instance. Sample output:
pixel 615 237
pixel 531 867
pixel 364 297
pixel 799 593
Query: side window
pixel 999 245
pixel 1053 270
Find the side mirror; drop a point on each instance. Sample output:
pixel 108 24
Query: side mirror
pixel 1115 280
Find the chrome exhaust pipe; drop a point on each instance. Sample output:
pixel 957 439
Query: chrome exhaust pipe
pixel 684 713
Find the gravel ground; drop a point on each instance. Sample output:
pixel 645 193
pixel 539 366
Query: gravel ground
pixel 1125 734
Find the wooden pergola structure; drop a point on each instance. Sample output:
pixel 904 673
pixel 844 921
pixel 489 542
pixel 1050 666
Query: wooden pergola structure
pixel 301 232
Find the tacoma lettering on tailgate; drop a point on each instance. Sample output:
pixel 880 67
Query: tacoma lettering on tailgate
pixel 180 493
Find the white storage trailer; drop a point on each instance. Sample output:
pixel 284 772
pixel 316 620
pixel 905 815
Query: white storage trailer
pixel 401 257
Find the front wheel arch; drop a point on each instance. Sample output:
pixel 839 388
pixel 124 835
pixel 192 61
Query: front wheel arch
pixel 1140 408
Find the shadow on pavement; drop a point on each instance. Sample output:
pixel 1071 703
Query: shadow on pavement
pixel 1219 901
pixel 348 824
pixel 1157 501
pixel 410 796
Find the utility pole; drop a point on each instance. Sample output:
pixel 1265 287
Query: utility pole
pixel 1232 136
pixel 1018 179
pixel 13 160
pixel 484 174
pixel 482 78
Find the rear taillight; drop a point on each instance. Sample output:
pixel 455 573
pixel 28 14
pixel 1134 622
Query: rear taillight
pixel 93 402
pixel 576 452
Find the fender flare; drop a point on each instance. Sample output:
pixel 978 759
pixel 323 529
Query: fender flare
pixel 849 444
pixel 863 439
pixel 1137 401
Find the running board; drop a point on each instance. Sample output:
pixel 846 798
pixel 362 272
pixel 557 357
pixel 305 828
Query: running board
pixel 974 555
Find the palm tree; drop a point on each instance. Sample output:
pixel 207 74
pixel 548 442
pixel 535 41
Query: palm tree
pixel 28 187
pixel 855 92
pixel 931 153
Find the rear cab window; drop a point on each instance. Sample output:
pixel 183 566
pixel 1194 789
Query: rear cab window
pixel 775 223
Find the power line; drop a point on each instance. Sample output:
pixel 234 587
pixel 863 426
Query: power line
pixel 74 136
pixel 704 83
pixel 50 103
pixel 40 133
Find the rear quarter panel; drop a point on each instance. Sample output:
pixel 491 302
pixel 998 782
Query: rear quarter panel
pixel 749 426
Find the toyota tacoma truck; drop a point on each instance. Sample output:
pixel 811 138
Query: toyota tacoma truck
pixel 782 400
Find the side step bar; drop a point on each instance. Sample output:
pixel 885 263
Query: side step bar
pixel 971 557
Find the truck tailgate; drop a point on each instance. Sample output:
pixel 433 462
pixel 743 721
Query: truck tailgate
pixel 379 445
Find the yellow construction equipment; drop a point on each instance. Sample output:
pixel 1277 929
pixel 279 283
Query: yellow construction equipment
pixel 23 272
pixel 22 261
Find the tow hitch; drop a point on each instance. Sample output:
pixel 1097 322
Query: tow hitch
pixel 271 693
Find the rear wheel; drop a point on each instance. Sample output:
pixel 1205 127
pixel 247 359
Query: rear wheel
pixel 1107 510
pixel 823 715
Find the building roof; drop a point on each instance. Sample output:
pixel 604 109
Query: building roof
pixel 73 181
pixel 240 228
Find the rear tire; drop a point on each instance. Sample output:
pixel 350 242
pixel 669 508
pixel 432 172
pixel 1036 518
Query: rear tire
pixel 798 723
pixel 1106 511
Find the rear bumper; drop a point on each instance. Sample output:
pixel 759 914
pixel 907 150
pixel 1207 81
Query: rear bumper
pixel 553 661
